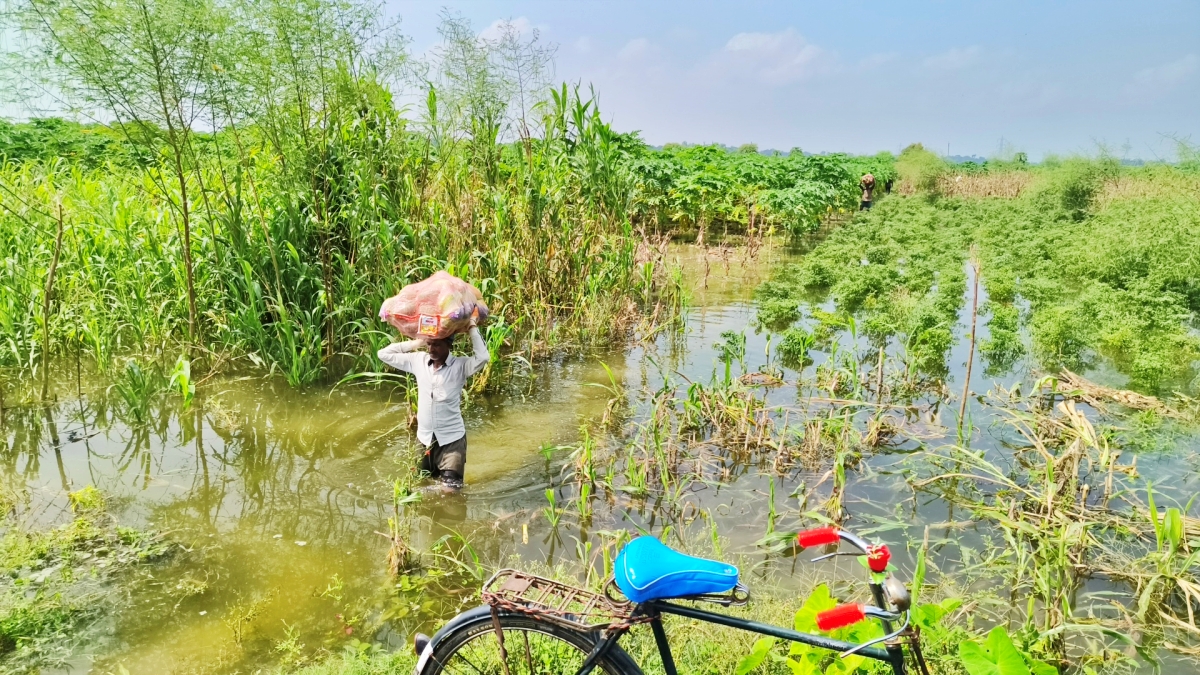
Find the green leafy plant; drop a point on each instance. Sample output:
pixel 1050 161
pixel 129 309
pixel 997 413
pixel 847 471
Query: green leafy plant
pixel 997 655
pixel 803 659
pixel 136 388
pixel 181 381
pixel 732 347
pixel 552 512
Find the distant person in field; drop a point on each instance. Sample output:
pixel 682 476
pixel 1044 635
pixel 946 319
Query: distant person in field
pixel 440 380
pixel 887 186
pixel 868 186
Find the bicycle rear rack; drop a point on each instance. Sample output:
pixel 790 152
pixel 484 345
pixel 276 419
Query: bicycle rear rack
pixel 554 602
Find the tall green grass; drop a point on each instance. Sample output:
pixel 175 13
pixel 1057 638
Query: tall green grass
pixel 551 257
pixel 295 248
pixel 282 192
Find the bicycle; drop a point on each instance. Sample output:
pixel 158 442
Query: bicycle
pixel 529 624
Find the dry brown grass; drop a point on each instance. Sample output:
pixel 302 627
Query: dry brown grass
pixel 1007 184
pixel 1012 184
pixel 1147 187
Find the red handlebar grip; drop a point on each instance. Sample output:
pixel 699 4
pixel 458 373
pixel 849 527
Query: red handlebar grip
pixel 818 537
pixel 842 615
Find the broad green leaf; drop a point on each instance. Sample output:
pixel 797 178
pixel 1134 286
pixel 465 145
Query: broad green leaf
pixel 1008 659
pixel 975 660
pixel 1042 668
pixel 757 655
pixel 799 649
pixel 1173 526
pixel 927 616
pixel 803 667
pixel 847 665
pixel 818 601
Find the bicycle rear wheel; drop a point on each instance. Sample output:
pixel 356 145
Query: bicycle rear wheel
pixel 532 647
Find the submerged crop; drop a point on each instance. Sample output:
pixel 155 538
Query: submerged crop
pixel 1109 277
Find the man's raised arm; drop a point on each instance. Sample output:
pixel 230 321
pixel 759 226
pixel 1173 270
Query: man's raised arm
pixel 481 355
pixel 399 354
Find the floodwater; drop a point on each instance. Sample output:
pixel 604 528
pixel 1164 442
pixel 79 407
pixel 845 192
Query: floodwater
pixel 278 497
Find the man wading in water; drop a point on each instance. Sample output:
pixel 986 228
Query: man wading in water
pixel 440 379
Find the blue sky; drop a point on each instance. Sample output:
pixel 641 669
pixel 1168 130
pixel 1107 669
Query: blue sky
pixel 1048 77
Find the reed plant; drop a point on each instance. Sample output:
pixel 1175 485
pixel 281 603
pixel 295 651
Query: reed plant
pixel 1067 510
pixel 275 238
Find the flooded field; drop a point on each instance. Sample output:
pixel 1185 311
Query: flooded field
pixel 279 500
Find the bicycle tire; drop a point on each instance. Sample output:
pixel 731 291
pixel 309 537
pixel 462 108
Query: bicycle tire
pixel 534 648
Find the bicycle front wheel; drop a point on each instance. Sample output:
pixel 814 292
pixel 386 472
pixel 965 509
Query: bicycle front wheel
pixel 532 648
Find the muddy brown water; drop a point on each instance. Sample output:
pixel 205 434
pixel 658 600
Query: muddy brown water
pixel 277 497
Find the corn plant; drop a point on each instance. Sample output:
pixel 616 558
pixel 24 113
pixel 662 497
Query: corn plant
pixel 181 381
pixel 552 512
pixel 136 388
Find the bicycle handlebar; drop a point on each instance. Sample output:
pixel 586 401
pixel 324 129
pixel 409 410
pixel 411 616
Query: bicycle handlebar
pixel 850 614
pixel 840 616
pixel 878 555
pixel 821 536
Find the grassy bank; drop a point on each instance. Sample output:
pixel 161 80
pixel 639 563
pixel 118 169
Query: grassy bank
pixel 261 207
pixel 276 236
pixel 292 290
pixel 55 580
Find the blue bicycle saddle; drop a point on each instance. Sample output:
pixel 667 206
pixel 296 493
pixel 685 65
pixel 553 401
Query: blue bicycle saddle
pixel 646 569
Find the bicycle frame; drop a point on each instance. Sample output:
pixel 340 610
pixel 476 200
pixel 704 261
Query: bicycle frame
pixel 610 618
pixel 893 654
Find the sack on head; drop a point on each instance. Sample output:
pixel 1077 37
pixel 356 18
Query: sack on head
pixel 436 308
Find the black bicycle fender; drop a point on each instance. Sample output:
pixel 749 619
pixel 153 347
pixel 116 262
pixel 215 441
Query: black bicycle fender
pixel 469 616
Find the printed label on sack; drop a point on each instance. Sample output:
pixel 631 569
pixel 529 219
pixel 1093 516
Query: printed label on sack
pixel 428 325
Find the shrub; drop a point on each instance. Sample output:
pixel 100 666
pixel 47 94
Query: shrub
pixel 920 168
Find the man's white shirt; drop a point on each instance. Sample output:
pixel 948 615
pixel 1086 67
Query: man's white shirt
pixel 439 390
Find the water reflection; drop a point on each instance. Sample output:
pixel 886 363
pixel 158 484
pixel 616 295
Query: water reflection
pixel 278 497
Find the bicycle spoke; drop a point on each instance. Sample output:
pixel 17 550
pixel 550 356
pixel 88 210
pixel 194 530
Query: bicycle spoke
pixel 468 662
pixel 535 652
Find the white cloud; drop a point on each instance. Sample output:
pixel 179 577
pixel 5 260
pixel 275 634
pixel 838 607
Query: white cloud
pixel 771 58
pixel 1168 75
pixel 638 48
pixel 877 60
pixel 584 45
pixel 522 25
pixel 954 59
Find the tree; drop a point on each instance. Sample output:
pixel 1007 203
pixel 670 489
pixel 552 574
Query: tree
pixel 145 63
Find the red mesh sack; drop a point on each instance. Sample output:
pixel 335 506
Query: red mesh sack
pixel 436 308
